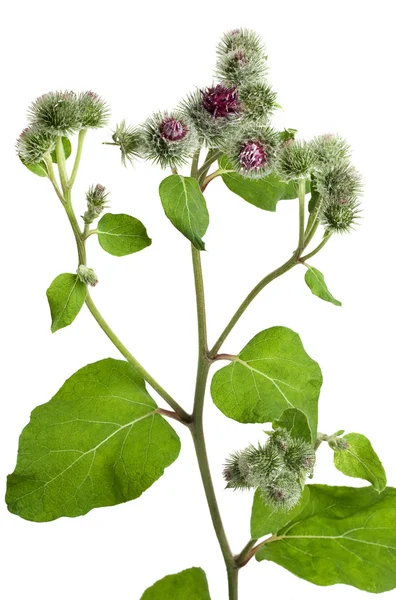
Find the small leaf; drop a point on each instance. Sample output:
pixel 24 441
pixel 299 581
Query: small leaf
pixel 264 193
pixel 121 234
pixel 185 206
pixel 98 442
pixel 39 169
pixel 343 535
pixel 190 584
pixel 360 460
pixel 316 283
pixel 272 373
pixel 296 424
pixel 67 147
pixel 265 519
pixel 66 295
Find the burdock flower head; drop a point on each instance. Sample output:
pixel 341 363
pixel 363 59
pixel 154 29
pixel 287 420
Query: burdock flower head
pixel 168 139
pixel 252 151
pixel 34 144
pixel 296 161
pixel 93 111
pixel 240 57
pixel 330 149
pixel 56 112
pixel 278 468
pixel 213 112
pixel 129 140
pixel 258 101
pixel 96 202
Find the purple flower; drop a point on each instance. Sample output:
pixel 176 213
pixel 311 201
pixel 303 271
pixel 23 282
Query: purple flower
pixel 221 101
pixel 252 156
pixel 172 129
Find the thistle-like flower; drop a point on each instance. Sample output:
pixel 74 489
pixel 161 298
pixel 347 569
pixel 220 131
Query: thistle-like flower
pixel 168 139
pixel 258 465
pixel 96 202
pixel 330 149
pixel 252 150
pixel 213 112
pixel 56 113
pixel 258 101
pixel 240 39
pixel 129 140
pixel 296 161
pixel 339 216
pixel 300 457
pixel 232 472
pixel 87 275
pixel 93 111
pixel 340 183
pixel 33 144
pixel 240 66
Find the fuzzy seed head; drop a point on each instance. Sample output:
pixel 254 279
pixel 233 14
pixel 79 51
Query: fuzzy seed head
pixel 129 140
pixel 168 139
pixel 93 111
pixel 56 113
pixel 87 275
pixel 296 161
pixel 33 144
pixel 258 101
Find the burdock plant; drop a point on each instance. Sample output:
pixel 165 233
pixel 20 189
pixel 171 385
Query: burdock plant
pixel 102 439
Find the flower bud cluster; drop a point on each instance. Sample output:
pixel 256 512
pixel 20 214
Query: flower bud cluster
pixel 96 202
pixel 241 57
pixel 87 275
pixel 279 469
pixel 129 140
pixel 252 150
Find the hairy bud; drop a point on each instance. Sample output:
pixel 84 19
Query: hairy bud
pixel 296 161
pixel 87 275
pixel 337 443
pixel 56 112
pixel 330 149
pixel 300 456
pixel 258 101
pixel 232 472
pixel 33 144
pixel 341 216
pixel 129 140
pixel 340 183
pixel 283 492
pixel 96 202
pixel 168 139
pixel 93 111
pixel 240 39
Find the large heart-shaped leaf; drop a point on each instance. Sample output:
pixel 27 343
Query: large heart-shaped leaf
pixel 122 234
pixel 190 584
pixel 272 373
pixel 343 535
pixel 98 442
pixel 185 206
pixel 360 460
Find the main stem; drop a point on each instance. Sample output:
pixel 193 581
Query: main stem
pixel 197 430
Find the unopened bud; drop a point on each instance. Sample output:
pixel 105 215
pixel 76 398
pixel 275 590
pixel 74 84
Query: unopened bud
pixel 87 275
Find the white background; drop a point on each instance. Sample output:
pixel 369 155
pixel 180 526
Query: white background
pixel 332 64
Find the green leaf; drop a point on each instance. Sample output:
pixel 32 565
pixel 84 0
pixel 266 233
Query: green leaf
pixel 98 442
pixel 291 190
pixel 185 206
pixel 264 193
pixel 361 461
pixel 272 373
pixel 190 584
pixel 266 520
pixel 295 422
pixel 39 169
pixel 66 295
pixel 316 283
pixel 343 535
pixel 120 235
pixel 67 147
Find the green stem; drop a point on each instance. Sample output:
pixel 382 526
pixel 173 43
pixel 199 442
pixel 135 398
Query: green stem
pixel 195 163
pixel 52 177
pixel 82 258
pixel 197 430
pixel 81 138
pixel 212 176
pixel 61 160
pixel 301 208
pixel 244 557
pixel 326 238
pixel 211 157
